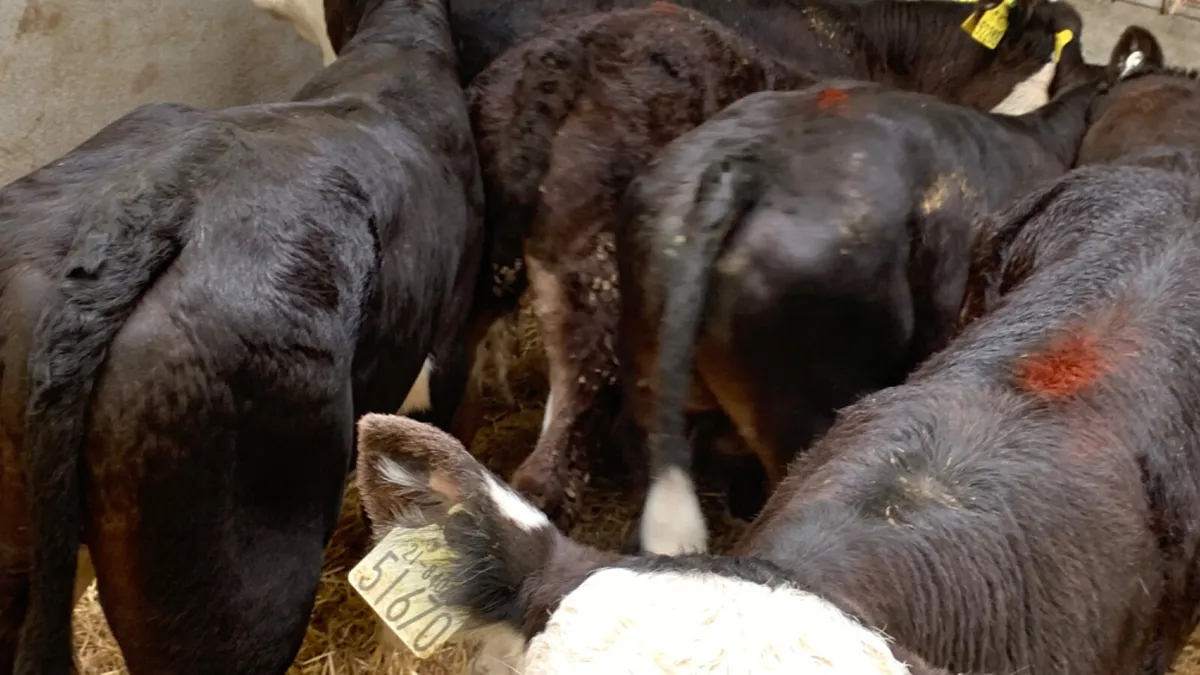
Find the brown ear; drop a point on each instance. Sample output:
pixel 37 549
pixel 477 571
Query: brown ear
pixel 411 473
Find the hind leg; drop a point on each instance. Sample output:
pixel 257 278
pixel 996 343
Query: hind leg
pixel 541 476
pixel 210 508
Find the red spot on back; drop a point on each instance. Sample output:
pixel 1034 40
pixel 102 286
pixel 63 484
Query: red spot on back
pixel 665 7
pixel 1066 367
pixel 828 99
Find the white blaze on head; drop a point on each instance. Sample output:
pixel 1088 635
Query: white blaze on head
pixel 419 399
pixel 623 621
pixel 512 506
pixel 307 18
pixel 1029 95
pixel 672 523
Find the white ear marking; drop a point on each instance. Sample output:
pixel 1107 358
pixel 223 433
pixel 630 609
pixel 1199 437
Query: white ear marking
pixel 395 474
pixel 1133 62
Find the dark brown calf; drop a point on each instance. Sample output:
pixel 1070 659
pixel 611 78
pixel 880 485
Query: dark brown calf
pixel 196 306
pixel 563 123
pixel 909 45
pixel 1025 503
pixel 801 249
pixel 565 120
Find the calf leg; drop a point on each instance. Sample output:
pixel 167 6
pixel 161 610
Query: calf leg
pixel 577 313
pixel 541 477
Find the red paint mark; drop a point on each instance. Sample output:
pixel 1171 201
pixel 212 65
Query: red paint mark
pixel 665 7
pixel 828 99
pixel 1065 368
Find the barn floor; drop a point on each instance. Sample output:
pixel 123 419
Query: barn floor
pixel 341 638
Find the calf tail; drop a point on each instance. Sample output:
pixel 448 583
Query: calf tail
pixel 120 250
pixel 727 190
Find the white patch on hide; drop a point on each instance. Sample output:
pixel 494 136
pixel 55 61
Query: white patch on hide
pixel 1132 63
pixel 419 399
pixel 672 523
pixel 623 621
pixel 1029 95
pixel 512 506
pixel 548 412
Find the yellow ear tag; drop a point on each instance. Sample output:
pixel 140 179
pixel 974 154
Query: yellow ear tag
pixel 1061 39
pixel 403 580
pixel 989 28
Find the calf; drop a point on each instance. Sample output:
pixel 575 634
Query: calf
pixel 565 121
pixel 912 45
pixel 197 304
pixel 1023 503
pixel 792 287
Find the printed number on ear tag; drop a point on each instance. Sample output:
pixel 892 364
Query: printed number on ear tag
pixel 403 580
pixel 989 28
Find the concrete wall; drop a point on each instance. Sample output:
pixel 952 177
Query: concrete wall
pixel 1104 20
pixel 68 67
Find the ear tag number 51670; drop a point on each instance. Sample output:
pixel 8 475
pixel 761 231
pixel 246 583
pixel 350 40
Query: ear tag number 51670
pixel 401 580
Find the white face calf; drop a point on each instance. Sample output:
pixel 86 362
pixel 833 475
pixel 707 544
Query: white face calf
pixel 511 575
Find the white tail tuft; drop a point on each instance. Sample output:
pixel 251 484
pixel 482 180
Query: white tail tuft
pixel 672 523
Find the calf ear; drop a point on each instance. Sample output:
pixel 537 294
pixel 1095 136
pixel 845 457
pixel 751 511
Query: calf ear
pixel 499 561
pixel 411 474
pixel 1137 48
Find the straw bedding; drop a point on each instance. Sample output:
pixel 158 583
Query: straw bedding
pixel 341 635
